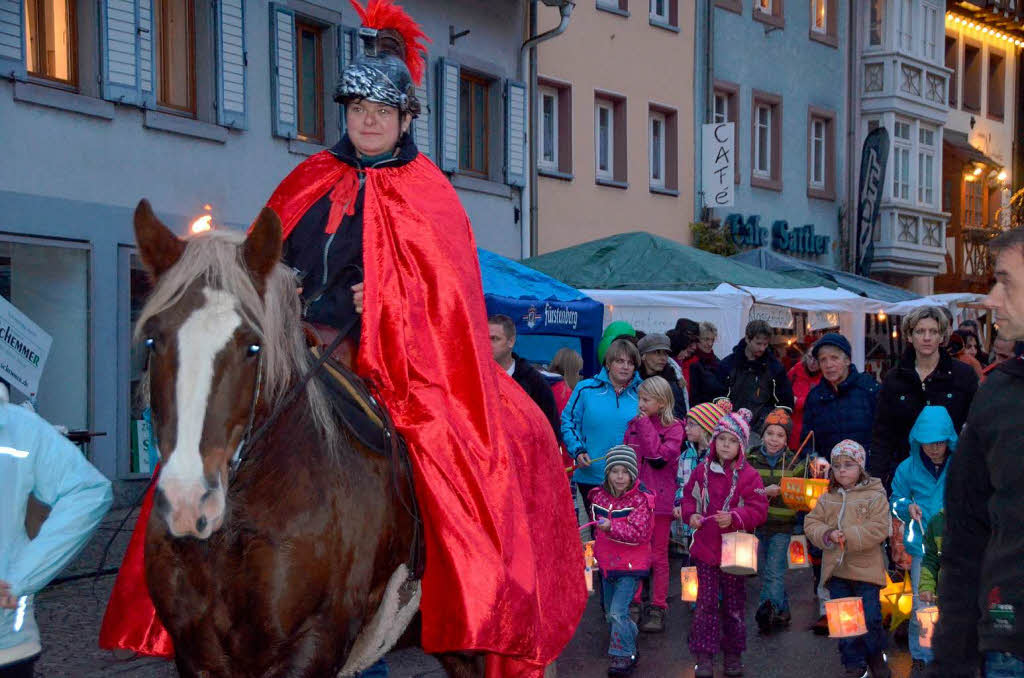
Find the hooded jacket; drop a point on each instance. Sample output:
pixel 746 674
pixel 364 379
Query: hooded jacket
pixel 862 513
pixel 748 506
pixel 657 454
pixel 595 420
pixel 759 385
pixel 915 483
pixel 625 549
pixel 835 414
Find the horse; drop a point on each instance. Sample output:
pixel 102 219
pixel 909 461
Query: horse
pixel 278 544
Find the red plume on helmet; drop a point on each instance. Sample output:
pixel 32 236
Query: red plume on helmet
pixel 385 14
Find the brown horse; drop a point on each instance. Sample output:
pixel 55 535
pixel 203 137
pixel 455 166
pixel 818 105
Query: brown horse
pixel 293 562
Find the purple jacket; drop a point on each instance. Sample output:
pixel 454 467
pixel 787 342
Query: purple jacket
pixel 748 506
pixel 625 549
pixel 657 454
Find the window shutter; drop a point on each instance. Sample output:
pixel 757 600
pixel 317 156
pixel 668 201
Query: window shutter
pixel 145 33
pixel 515 133
pixel 12 39
pixel 121 30
pixel 346 43
pixel 231 64
pixel 447 86
pixel 421 125
pixel 282 72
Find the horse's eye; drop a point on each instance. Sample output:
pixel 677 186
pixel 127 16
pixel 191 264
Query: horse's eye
pixel 254 349
pixel 150 343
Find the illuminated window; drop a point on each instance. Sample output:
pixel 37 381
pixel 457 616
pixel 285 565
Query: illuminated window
pixel 50 39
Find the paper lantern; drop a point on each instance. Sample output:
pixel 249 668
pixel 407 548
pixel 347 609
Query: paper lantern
pixel 801 494
pixel 845 617
pixel 588 565
pixel 798 555
pixel 739 553
pixel 926 617
pixel 688 578
pixel 897 600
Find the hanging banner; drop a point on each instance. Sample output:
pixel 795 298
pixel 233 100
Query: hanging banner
pixel 821 320
pixel 23 349
pixel 873 160
pixel 718 172
pixel 778 317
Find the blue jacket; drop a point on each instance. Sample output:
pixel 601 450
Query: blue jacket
pixel 36 459
pixel 595 420
pixel 837 414
pixel 914 482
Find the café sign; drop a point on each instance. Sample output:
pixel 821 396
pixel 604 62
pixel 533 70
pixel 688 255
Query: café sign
pixel 790 240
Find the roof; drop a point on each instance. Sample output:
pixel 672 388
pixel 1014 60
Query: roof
pixel 961 145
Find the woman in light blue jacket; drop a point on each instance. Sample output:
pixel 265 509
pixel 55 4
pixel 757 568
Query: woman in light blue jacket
pixel 598 412
pixel 36 459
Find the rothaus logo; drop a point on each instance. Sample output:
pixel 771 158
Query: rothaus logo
pixel 8 336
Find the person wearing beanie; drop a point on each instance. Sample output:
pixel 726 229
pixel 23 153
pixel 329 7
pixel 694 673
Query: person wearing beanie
pixel 773 460
pixel 655 362
pixel 700 422
pixel 724 494
pixel 850 522
pixel 624 511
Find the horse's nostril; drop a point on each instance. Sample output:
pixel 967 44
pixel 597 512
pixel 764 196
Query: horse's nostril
pixel 201 524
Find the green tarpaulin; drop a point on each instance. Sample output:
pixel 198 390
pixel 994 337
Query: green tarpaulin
pixel 641 261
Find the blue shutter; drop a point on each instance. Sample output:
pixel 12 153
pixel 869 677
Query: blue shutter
pixel 12 39
pixel 421 125
pixel 121 29
pixel 283 78
pixel 515 133
pixel 447 86
pixel 346 45
pixel 146 35
pixel 231 64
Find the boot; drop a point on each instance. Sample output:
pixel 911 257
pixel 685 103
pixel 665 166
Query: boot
pixel 879 669
pixel 820 627
pixel 634 612
pixel 783 618
pixel 733 665
pixel 765 616
pixel 654 621
pixel 705 667
pixel 621 666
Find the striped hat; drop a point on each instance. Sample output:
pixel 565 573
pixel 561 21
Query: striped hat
pixel 736 423
pixel 624 455
pixel 706 415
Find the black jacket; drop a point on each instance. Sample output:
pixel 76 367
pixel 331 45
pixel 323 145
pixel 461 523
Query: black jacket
pixel 669 375
pixel 758 385
pixel 537 387
pixel 952 384
pixel 328 265
pixel 837 414
pixel 981 586
pixel 704 384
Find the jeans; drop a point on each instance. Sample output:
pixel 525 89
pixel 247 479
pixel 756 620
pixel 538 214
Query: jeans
pixel 659 564
pixel 914 634
pixel 772 563
pixel 378 670
pixel 1003 665
pixel 855 651
pixel 618 593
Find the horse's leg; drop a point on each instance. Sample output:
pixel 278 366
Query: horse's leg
pixel 462 665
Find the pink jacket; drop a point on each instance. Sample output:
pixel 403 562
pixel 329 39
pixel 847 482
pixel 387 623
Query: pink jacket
pixel 657 454
pixel 625 549
pixel 748 506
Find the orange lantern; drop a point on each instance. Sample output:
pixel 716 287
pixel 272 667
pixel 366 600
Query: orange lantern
pixel 588 566
pixel 926 617
pixel 739 553
pixel 688 578
pixel 798 556
pixel 845 617
pixel 801 494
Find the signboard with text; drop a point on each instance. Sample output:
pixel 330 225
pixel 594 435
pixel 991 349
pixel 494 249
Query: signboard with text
pixel 778 317
pixel 719 171
pixel 23 349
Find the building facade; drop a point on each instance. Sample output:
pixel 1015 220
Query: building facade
pixel 615 123
pixel 203 107
pixel 778 71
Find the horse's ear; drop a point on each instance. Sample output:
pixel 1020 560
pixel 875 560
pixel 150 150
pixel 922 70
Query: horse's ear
pixel 158 246
pixel 262 248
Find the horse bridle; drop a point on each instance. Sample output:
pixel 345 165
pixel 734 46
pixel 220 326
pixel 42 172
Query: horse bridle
pixel 236 458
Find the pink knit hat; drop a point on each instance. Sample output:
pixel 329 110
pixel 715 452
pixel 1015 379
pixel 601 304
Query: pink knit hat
pixel 736 423
pixel 851 449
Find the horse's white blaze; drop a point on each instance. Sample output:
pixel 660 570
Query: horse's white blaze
pixel 200 338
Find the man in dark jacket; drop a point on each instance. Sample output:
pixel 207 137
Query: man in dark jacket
pixel 503 339
pixel 753 377
pixel 981 578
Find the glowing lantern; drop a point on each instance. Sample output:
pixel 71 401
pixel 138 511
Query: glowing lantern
pixel 897 600
pixel 739 553
pixel 801 494
pixel 798 556
pixel 688 578
pixel 588 567
pixel 926 617
pixel 201 225
pixel 845 617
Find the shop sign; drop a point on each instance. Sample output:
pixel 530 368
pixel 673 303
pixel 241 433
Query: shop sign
pixel 797 240
pixel 822 320
pixel 552 316
pixel 24 347
pixel 778 317
pixel 718 173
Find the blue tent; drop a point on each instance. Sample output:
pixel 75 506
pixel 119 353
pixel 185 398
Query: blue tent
pixel 541 305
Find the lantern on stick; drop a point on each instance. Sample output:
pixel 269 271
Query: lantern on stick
pixel 798 556
pixel 845 617
pixel 588 566
pixel 897 600
pixel 688 578
pixel 739 553
pixel 802 494
pixel 926 617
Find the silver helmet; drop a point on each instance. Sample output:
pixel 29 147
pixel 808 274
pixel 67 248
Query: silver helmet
pixel 379 74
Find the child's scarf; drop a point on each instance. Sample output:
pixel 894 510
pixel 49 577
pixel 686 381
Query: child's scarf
pixel 703 503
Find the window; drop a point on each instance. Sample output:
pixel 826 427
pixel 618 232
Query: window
pixel 50 40
pixel 824 26
pixel 604 139
pixel 659 11
pixel 663 152
pixel 547 111
pixel 763 6
pixel 996 84
pixel 972 77
pixel 138 436
pixel 721 112
pixel 821 154
pixel 614 6
pixel 819 16
pixel 974 203
pixel 902 148
pixel 726 110
pixel 876 23
pixel 175 54
pixel 656 137
pixel 929 29
pixel 766 148
pixel 905 35
pixel 817 153
pixel 926 166
pixel 554 128
pixel 474 123
pixel 769 12
pixel 310 88
pixel 953 63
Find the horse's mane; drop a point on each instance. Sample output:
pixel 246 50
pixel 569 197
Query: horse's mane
pixel 216 259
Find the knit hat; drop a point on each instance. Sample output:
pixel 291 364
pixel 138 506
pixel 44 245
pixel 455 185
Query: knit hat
pixel 779 417
pixel 706 415
pixel 736 423
pixel 851 449
pixel 624 455
pixel 655 341
pixel 833 339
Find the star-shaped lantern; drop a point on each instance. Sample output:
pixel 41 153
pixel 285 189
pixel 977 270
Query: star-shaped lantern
pixel 897 600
